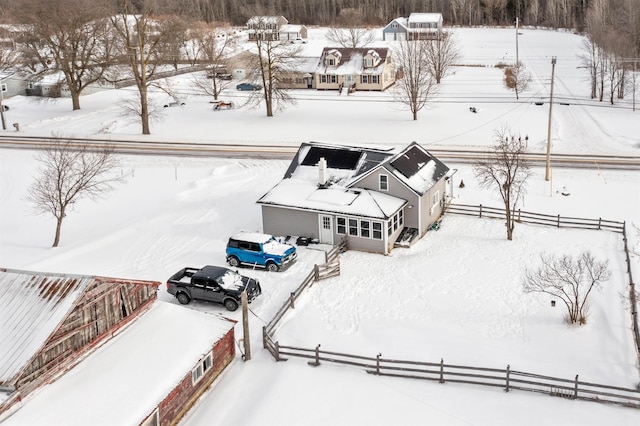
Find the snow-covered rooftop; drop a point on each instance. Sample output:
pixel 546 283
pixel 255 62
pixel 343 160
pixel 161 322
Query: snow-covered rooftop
pixel 123 381
pixel 31 307
pixel 305 194
pixel 425 17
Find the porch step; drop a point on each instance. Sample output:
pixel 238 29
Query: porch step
pixel 407 237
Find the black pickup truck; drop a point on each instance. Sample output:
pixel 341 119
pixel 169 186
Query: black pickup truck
pixel 213 284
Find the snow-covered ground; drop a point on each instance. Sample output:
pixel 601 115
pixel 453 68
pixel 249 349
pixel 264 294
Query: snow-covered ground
pixel 455 295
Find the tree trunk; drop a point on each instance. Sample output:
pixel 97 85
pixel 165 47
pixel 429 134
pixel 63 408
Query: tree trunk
pixel 56 240
pixel 269 108
pixel 75 97
pixel 144 111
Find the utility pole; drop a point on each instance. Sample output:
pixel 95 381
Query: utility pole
pixel 548 168
pixel 245 326
pixel 517 57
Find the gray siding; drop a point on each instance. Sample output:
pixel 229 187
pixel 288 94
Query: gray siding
pixel 428 216
pixel 281 221
pixel 396 189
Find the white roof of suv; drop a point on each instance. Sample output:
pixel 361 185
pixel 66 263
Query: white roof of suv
pixel 252 237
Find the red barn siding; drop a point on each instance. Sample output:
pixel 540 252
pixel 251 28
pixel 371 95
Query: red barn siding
pixel 185 394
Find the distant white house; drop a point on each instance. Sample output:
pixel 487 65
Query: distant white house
pixel 418 26
pixel 357 68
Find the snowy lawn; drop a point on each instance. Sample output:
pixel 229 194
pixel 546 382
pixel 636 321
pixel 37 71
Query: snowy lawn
pixel 455 295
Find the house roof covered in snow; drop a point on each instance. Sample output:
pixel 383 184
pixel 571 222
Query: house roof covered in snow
pixel 255 20
pixel 300 187
pixel 305 194
pixel 424 18
pixel 351 61
pixel 291 28
pixel 151 357
pixel 417 168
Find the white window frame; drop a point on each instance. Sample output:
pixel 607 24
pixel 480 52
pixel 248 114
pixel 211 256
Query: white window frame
pixel 365 230
pixel 374 79
pixel 353 224
pixel 435 199
pixel 368 62
pixel 201 369
pixel 342 226
pixel 323 78
pixel 375 231
pixel 383 186
pixel 331 62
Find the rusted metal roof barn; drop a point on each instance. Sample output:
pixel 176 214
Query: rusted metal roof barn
pixel 49 321
pixel 151 373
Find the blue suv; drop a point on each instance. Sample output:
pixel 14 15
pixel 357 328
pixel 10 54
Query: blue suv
pixel 255 249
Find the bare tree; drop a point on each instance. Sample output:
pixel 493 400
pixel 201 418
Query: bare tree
pixel 70 37
pixel 212 47
pixel 70 171
pixel 140 42
pixel 350 31
pixel 442 55
pixel 516 77
pixel 416 83
pixel 506 170
pixel 272 61
pixel 8 62
pixel 569 279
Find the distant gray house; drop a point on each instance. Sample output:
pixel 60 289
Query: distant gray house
pixel 375 198
pixel 418 26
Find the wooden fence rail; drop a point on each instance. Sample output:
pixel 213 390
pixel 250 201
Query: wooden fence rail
pixel 443 373
pixel 440 372
pixel 536 218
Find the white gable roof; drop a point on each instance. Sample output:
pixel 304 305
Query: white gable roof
pixel 122 382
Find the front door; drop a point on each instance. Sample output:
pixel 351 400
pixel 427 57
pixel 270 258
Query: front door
pixel 326 229
pixel 348 80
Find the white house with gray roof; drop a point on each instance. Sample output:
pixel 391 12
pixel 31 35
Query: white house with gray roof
pixel 418 26
pixel 375 198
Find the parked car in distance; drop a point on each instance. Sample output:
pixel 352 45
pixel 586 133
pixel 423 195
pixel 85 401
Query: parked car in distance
pixel 213 284
pixel 173 104
pixel 248 86
pixel 299 40
pixel 256 249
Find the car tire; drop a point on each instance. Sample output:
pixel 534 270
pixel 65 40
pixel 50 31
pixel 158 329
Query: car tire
pixel 231 305
pixel 233 261
pixel 272 267
pixel 183 298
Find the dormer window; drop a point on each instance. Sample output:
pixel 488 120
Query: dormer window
pixel 331 62
pixel 368 62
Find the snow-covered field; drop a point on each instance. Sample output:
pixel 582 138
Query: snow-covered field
pixel 455 295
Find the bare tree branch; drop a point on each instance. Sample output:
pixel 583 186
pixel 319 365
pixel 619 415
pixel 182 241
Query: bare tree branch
pixel 416 83
pixel 68 172
pixel 569 279
pixel 507 171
